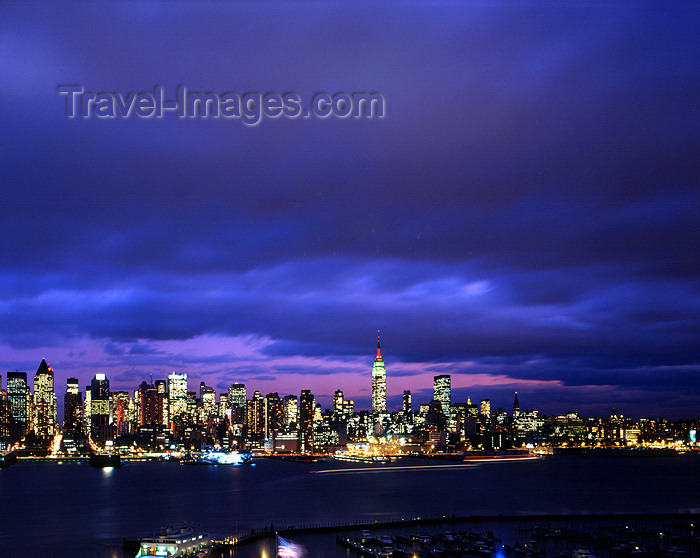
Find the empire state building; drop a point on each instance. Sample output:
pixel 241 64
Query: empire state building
pixel 378 382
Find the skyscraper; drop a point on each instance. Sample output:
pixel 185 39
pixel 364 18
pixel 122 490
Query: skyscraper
pixel 516 406
pixel 306 420
pixel 274 414
pixel 486 409
pixel 406 401
pixel 236 403
pixel 44 402
pixel 256 416
pixel 442 391
pixel 177 395
pixel 291 411
pixel 100 409
pixel 378 382
pixel 150 405
pixel 72 407
pixel 18 395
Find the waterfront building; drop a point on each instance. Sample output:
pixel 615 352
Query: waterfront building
pixel 442 391
pixel 177 396
pixel 45 420
pixel 306 418
pixel 100 429
pixel 72 407
pixel 18 396
pixel 378 382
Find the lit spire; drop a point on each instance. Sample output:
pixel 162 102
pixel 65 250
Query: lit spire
pixel 379 354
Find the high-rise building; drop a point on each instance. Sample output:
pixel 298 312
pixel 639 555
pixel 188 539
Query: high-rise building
pixel 274 414
pixel 87 410
pixel 291 411
pixel 486 409
pixel 338 403
pixel 378 383
pixel 442 391
pixel 72 407
pixel 45 420
pixel 18 396
pixel 406 401
pixel 236 403
pixel 208 397
pixel 177 396
pixel 100 429
pixel 150 405
pixel 256 416
pixel 5 416
pixel 306 420
pixel 162 388
pixel 120 413
pixel 516 406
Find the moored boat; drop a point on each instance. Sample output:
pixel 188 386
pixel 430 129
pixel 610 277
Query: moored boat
pixel 174 543
pixel 105 459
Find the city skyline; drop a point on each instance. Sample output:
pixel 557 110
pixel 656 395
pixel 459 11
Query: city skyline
pixel 525 216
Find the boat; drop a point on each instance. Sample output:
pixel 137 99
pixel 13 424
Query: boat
pixel 227 457
pixel 174 543
pixel 105 459
pixel 582 553
pixel 217 458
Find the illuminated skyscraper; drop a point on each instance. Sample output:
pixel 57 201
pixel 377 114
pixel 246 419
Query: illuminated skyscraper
pixel 72 407
pixel 120 412
pixel 100 429
pixel 256 416
pixel 274 414
pixel 18 395
pixel 177 395
pixel 442 391
pixel 378 382
pixel 44 402
pixel 338 403
pixel 406 401
pixel 486 408
pixel 150 405
pixel 291 411
pixel 306 420
pixel 5 415
pixel 236 403
pixel 516 406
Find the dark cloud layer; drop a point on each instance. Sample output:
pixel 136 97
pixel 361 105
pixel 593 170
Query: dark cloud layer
pixel 528 207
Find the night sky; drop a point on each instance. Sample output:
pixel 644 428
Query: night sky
pixel 525 217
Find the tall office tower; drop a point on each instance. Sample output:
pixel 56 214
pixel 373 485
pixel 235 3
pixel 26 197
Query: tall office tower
pixel 72 407
pixel 442 391
pixel 378 382
pixel 516 406
pixel 162 387
pixel 120 413
pixel 18 395
pixel 291 411
pixel 306 420
pixel 44 402
pixel 256 416
pixel 100 429
pixel 87 410
pixel 150 405
pixel 177 395
pixel 5 415
pixel 407 401
pixel 208 401
pixel 486 408
pixel 236 402
pixel 338 403
pixel 274 414
pixel 223 404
